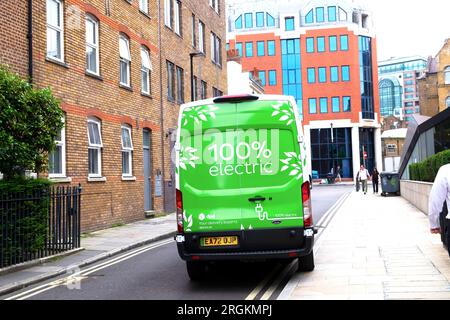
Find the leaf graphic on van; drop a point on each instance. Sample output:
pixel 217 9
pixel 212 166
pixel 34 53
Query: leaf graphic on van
pixel 284 111
pixel 187 157
pixel 198 114
pixel 188 220
pixel 293 162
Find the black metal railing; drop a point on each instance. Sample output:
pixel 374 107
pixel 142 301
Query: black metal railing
pixel 38 224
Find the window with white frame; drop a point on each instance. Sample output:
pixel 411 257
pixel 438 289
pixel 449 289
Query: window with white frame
pixel 146 69
pixel 143 6
pixel 168 13
pixel 447 75
pixel 215 5
pixel 55 30
pixel 125 60
pixel 177 17
pixel 57 158
pixel 92 46
pixel 127 152
pixel 95 148
pixel 216 47
pixel 201 37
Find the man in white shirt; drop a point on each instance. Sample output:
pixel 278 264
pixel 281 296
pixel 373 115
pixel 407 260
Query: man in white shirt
pixel 363 175
pixel 439 194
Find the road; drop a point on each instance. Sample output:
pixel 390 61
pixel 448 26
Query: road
pixel 156 272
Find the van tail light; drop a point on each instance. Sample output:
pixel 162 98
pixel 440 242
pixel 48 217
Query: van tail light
pixel 179 211
pixel 236 98
pixel 307 212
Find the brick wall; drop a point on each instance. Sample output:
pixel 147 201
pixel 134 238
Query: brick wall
pixel 13 36
pixel 113 199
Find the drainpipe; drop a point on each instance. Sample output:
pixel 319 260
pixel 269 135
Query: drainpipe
pixel 161 107
pixel 30 41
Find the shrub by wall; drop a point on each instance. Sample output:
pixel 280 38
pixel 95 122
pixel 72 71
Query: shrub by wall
pixel 24 208
pixel 427 170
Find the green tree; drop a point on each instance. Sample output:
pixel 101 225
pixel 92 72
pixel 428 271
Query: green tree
pixel 30 119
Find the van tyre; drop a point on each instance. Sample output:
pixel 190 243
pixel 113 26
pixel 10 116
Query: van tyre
pixel 306 263
pixel 196 270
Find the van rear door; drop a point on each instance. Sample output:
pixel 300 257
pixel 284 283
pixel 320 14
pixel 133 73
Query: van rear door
pixel 270 194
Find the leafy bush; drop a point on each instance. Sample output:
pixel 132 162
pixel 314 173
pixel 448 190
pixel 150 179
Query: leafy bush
pixel 427 170
pixel 30 120
pixel 24 208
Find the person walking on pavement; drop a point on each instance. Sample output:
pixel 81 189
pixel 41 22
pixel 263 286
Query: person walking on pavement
pixel 440 192
pixel 375 179
pixel 338 174
pixel 363 176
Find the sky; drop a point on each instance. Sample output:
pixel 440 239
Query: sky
pixel 410 27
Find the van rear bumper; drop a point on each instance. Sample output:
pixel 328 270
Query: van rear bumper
pixel 253 245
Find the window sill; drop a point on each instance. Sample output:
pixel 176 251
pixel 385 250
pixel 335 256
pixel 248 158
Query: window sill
pixel 93 75
pixel 57 62
pixel 146 95
pixel 123 86
pixel 96 179
pixel 60 179
pixel 145 14
pixel 128 178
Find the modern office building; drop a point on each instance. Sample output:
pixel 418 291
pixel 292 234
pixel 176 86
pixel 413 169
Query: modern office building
pixel 398 86
pixel 323 53
pixel 120 68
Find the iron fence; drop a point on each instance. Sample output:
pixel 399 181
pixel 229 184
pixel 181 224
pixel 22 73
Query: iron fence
pixel 38 224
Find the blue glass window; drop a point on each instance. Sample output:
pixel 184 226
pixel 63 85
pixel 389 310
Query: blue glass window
pixel 332 40
pixel 344 43
pixel 261 48
pixel 345 73
pixel 227 46
pixel 322 75
pixel 335 104
pixel 238 23
pixel 311 75
pixel 262 77
pixel 239 48
pixel 272 78
pixel 320 44
pixel 346 105
pixel 291 70
pixel 260 19
pixel 320 14
pixel 249 20
pixel 249 49
pixel 334 74
pixel 310 17
pixel 312 104
pixel 309 45
pixel 331 14
pixel 323 105
pixel 270 20
pixel 290 24
pixel 271 47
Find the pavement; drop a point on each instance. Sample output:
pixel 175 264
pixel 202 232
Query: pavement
pixel 95 246
pixel 375 248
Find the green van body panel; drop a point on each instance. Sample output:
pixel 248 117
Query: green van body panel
pixel 228 153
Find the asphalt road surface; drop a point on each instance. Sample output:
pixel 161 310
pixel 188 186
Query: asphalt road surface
pixel 156 272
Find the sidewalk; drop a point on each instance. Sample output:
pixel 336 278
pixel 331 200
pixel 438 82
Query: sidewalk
pixel 97 246
pixel 375 248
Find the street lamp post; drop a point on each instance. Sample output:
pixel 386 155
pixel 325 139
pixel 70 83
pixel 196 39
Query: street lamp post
pixel 191 56
pixel 332 147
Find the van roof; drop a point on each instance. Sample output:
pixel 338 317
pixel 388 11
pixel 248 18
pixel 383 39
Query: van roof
pixel 261 97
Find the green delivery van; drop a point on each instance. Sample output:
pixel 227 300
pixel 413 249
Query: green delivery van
pixel 242 189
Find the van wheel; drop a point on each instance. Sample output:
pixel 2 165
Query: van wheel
pixel 196 270
pixel 306 263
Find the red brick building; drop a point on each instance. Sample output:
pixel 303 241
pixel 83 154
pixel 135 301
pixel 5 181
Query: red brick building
pixel 107 62
pixel 324 54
